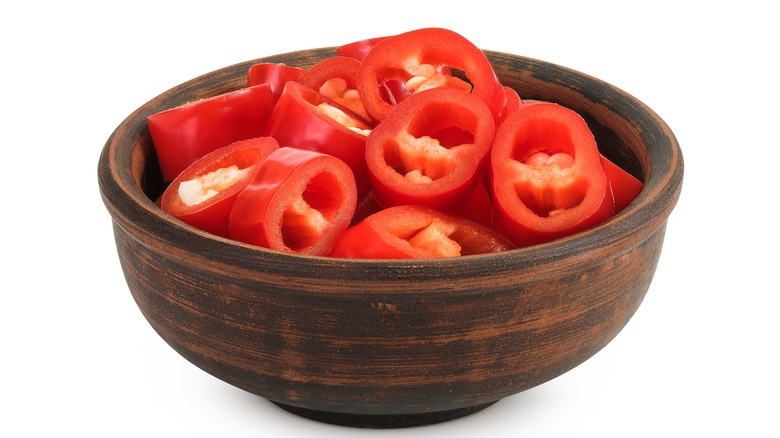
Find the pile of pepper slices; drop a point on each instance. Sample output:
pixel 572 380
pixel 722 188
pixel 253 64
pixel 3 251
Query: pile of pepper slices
pixel 405 146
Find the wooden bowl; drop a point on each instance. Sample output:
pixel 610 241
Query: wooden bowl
pixel 394 343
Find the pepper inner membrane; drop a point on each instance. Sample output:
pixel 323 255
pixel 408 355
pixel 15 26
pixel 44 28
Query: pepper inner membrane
pixel 308 216
pixel 198 190
pixel 424 152
pixel 548 182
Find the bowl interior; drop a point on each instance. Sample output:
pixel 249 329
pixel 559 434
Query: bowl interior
pixel 605 108
pixel 627 132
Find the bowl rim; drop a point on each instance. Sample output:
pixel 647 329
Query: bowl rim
pixel 129 206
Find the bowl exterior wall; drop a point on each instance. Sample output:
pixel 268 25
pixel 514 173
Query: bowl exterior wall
pixel 363 352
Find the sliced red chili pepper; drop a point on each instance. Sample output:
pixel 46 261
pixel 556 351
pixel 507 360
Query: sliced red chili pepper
pixel 421 59
pixel 305 119
pixel 547 177
pixel 625 187
pixel 391 91
pixel 431 150
pixel 204 193
pixel 299 201
pixel 478 207
pixel 183 134
pixel 358 49
pixel 334 78
pixel 512 104
pixel 273 74
pixel 410 231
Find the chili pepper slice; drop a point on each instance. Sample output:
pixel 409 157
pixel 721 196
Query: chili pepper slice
pixel 547 176
pixel 410 231
pixel 422 59
pixel 625 187
pixel 358 49
pixel 392 91
pixel 183 134
pixel 478 207
pixel 334 78
pixel 276 75
pixel 305 119
pixel 431 150
pixel 512 104
pixel 299 201
pixel 204 193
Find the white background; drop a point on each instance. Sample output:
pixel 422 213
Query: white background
pixel 698 358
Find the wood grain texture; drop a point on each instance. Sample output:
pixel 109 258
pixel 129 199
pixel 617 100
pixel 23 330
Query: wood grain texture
pixel 394 343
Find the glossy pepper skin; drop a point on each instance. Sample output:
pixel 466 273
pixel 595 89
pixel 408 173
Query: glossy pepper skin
pixel 430 54
pixel 625 187
pixel 299 201
pixel 512 103
pixel 335 77
pixel 358 49
pixel 183 134
pixel 276 75
pixel 432 150
pixel 213 214
pixel 411 231
pixel 301 120
pixel 547 177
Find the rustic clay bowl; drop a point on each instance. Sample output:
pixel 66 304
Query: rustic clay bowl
pixel 394 343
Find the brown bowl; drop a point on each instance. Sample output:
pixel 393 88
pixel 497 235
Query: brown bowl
pixel 394 343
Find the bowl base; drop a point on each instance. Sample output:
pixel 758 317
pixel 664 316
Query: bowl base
pixel 383 421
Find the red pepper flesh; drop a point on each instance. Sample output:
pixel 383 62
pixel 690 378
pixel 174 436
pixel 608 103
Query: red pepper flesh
pixel 358 49
pixel 625 187
pixel 334 78
pixel 478 207
pixel 547 177
pixel 276 75
pixel 301 120
pixel 410 231
pixel 218 177
pixel 183 134
pixel 512 104
pixel 299 201
pixel 422 59
pixel 431 150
